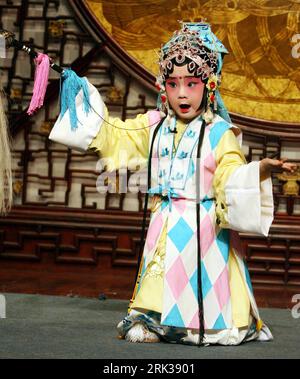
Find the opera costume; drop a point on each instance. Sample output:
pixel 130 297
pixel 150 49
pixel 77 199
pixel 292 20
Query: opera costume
pixel 193 285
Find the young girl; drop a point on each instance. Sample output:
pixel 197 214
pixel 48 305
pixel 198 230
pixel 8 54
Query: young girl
pixel 193 285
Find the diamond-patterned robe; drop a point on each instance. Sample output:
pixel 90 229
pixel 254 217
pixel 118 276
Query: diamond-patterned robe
pixel 227 187
pixel 178 211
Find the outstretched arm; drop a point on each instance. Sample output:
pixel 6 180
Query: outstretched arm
pixel 120 143
pixel 268 165
pixel 244 191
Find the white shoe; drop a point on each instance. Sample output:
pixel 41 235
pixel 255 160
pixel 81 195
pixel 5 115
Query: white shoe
pixel 140 333
pixel 265 334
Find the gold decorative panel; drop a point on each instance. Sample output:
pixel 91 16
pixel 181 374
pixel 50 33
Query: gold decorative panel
pixel 261 77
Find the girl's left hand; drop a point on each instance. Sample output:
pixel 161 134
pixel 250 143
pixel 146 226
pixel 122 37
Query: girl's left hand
pixel 268 165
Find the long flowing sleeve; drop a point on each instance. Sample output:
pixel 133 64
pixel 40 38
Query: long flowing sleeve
pixel 243 202
pixel 119 143
pixel 122 143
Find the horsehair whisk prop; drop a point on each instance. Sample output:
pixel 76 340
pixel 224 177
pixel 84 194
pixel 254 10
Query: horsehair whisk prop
pixel 71 83
pixel 5 161
pixel 43 64
pixel 10 41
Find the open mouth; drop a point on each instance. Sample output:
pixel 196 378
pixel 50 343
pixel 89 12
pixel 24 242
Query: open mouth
pixel 184 107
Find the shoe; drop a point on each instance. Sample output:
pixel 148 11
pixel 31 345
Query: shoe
pixel 140 333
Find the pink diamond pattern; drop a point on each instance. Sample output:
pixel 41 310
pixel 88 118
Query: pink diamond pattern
pixel 222 289
pixel 154 230
pixel 209 169
pixel 207 235
pixel 194 324
pixel 180 205
pixel 177 278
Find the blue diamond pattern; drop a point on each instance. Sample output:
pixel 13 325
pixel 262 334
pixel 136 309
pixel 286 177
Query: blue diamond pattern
pixel 180 234
pixel 206 284
pixel 207 203
pixel 174 318
pixel 194 283
pixel 217 132
pixel 223 243
pixel 220 323
pixel 191 169
pixel 164 204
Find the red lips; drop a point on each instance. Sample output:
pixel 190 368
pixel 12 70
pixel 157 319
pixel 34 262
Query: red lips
pixel 184 108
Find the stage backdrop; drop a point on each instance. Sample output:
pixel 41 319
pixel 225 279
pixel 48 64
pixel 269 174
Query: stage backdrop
pixel 261 73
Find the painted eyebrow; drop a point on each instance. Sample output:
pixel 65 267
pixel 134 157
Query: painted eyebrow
pixel 178 77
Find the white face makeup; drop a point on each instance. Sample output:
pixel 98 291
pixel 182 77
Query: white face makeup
pixel 185 93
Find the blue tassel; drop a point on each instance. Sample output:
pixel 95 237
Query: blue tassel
pixel 71 84
pixel 221 109
pixel 159 104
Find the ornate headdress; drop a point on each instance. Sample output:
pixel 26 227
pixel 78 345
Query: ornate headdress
pixel 205 51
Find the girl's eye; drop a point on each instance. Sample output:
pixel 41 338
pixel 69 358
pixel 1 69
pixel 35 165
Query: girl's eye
pixel 172 84
pixel 192 84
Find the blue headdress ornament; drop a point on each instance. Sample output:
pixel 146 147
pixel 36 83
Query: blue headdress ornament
pixel 197 42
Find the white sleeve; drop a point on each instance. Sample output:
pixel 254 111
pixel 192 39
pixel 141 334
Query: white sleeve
pixel 88 125
pixel 249 202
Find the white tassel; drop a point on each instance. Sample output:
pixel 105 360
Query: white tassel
pixel 215 104
pixel 208 116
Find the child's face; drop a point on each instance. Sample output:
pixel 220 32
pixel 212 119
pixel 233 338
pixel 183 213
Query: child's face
pixel 185 93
